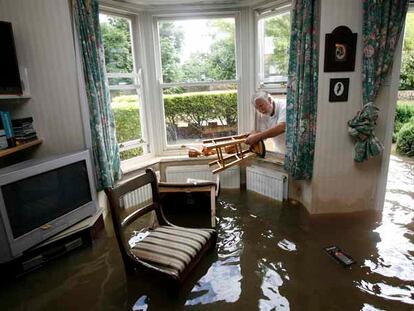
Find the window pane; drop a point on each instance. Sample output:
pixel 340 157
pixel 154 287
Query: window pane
pixel 125 106
pixel 275 48
pixel 195 113
pixel 197 50
pixel 116 36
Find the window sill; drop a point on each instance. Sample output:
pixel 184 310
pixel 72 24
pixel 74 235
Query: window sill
pixel 272 160
pixel 133 165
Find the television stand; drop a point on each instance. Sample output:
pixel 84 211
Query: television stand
pixel 88 223
pixel 79 235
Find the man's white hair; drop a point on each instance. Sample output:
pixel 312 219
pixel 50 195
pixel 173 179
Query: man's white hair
pixel 260 95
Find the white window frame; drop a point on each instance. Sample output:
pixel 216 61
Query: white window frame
pixel 138 86
pixel 261 13
pixel 161 131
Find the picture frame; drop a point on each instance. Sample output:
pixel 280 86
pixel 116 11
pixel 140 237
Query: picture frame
pixel 340 50
pixel 338 90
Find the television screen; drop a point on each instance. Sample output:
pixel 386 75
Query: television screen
pixel 9 70
pixel 37 200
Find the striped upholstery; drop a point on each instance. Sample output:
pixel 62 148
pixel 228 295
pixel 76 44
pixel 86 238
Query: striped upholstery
pixel 172 248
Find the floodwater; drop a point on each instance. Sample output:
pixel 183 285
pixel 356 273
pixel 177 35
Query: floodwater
pixel 269 256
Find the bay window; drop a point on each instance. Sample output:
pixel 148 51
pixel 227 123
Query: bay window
pixel 124 84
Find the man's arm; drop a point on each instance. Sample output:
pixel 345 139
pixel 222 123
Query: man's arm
pixel 272 132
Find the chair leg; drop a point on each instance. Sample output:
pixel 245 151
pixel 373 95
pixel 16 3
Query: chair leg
pixel 213 206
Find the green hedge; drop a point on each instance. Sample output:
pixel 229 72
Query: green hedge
pixel 127 121
pixel 405 139
pixel 128 126
pixel 404 112
pixel 196 108
pixel 199 107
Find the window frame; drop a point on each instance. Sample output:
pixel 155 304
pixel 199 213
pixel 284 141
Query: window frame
pixel 138 86
pixel 161 131
pixel 260 14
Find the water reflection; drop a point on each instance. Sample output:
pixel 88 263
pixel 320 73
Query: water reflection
pixel 368 307
pixel 222 281
pixel 287 245
pixel 272 280
pixel 141 304
pixel 398 293
pixel 394 259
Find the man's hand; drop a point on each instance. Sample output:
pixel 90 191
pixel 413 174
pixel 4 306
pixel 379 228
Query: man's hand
pixel 253 138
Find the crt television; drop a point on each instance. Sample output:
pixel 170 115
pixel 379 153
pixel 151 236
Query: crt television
pixel 39 199
pixel 10 82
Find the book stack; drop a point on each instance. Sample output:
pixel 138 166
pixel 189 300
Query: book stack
pixel 24 130
pixel 3 139
pixel 8 133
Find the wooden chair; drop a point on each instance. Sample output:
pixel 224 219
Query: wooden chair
pixel 158 245
pixel 240 151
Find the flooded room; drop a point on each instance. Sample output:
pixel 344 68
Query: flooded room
pixel 207 155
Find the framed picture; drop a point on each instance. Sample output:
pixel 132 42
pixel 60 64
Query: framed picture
pixel 338 90
pixel 340 46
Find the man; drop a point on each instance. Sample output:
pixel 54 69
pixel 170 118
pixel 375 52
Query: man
pixel 271 123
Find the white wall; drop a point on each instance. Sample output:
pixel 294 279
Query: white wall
pixel 339 183
pixel 44 43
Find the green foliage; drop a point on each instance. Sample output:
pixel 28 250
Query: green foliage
pixel 409 33
pixel 127 122
pixel 171 40
pixel 221 63
pixel 407 72
pixel 278 28
pixel 117 43
pixel 407 66
pixel 196 68
pixel 218 64
pixel 128 154
pixel 405 139
pixel 404 112
pixel 199 107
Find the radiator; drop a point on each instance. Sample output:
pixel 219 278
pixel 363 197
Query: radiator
pixel 137 197
pixel 229 179
pixel 140 196
pixel 272 184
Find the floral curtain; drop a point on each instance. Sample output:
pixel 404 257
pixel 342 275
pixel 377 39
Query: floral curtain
pixel 302 90
pixel 104 144
pixel 383 21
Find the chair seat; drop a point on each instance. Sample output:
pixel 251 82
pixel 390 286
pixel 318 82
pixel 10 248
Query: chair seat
pixel 172 248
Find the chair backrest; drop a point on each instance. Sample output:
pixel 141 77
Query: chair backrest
pixel 115 196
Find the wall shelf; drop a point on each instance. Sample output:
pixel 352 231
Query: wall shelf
pixel 8 97
pixel 29 144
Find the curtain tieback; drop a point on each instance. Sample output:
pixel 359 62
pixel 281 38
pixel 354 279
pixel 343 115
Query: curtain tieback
pixel 361 128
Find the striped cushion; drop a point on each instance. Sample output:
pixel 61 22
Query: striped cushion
pixel 172 248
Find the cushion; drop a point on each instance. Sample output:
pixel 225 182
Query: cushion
pixel 171 248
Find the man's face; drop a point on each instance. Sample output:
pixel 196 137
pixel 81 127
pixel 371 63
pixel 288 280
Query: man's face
pixel 263 106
